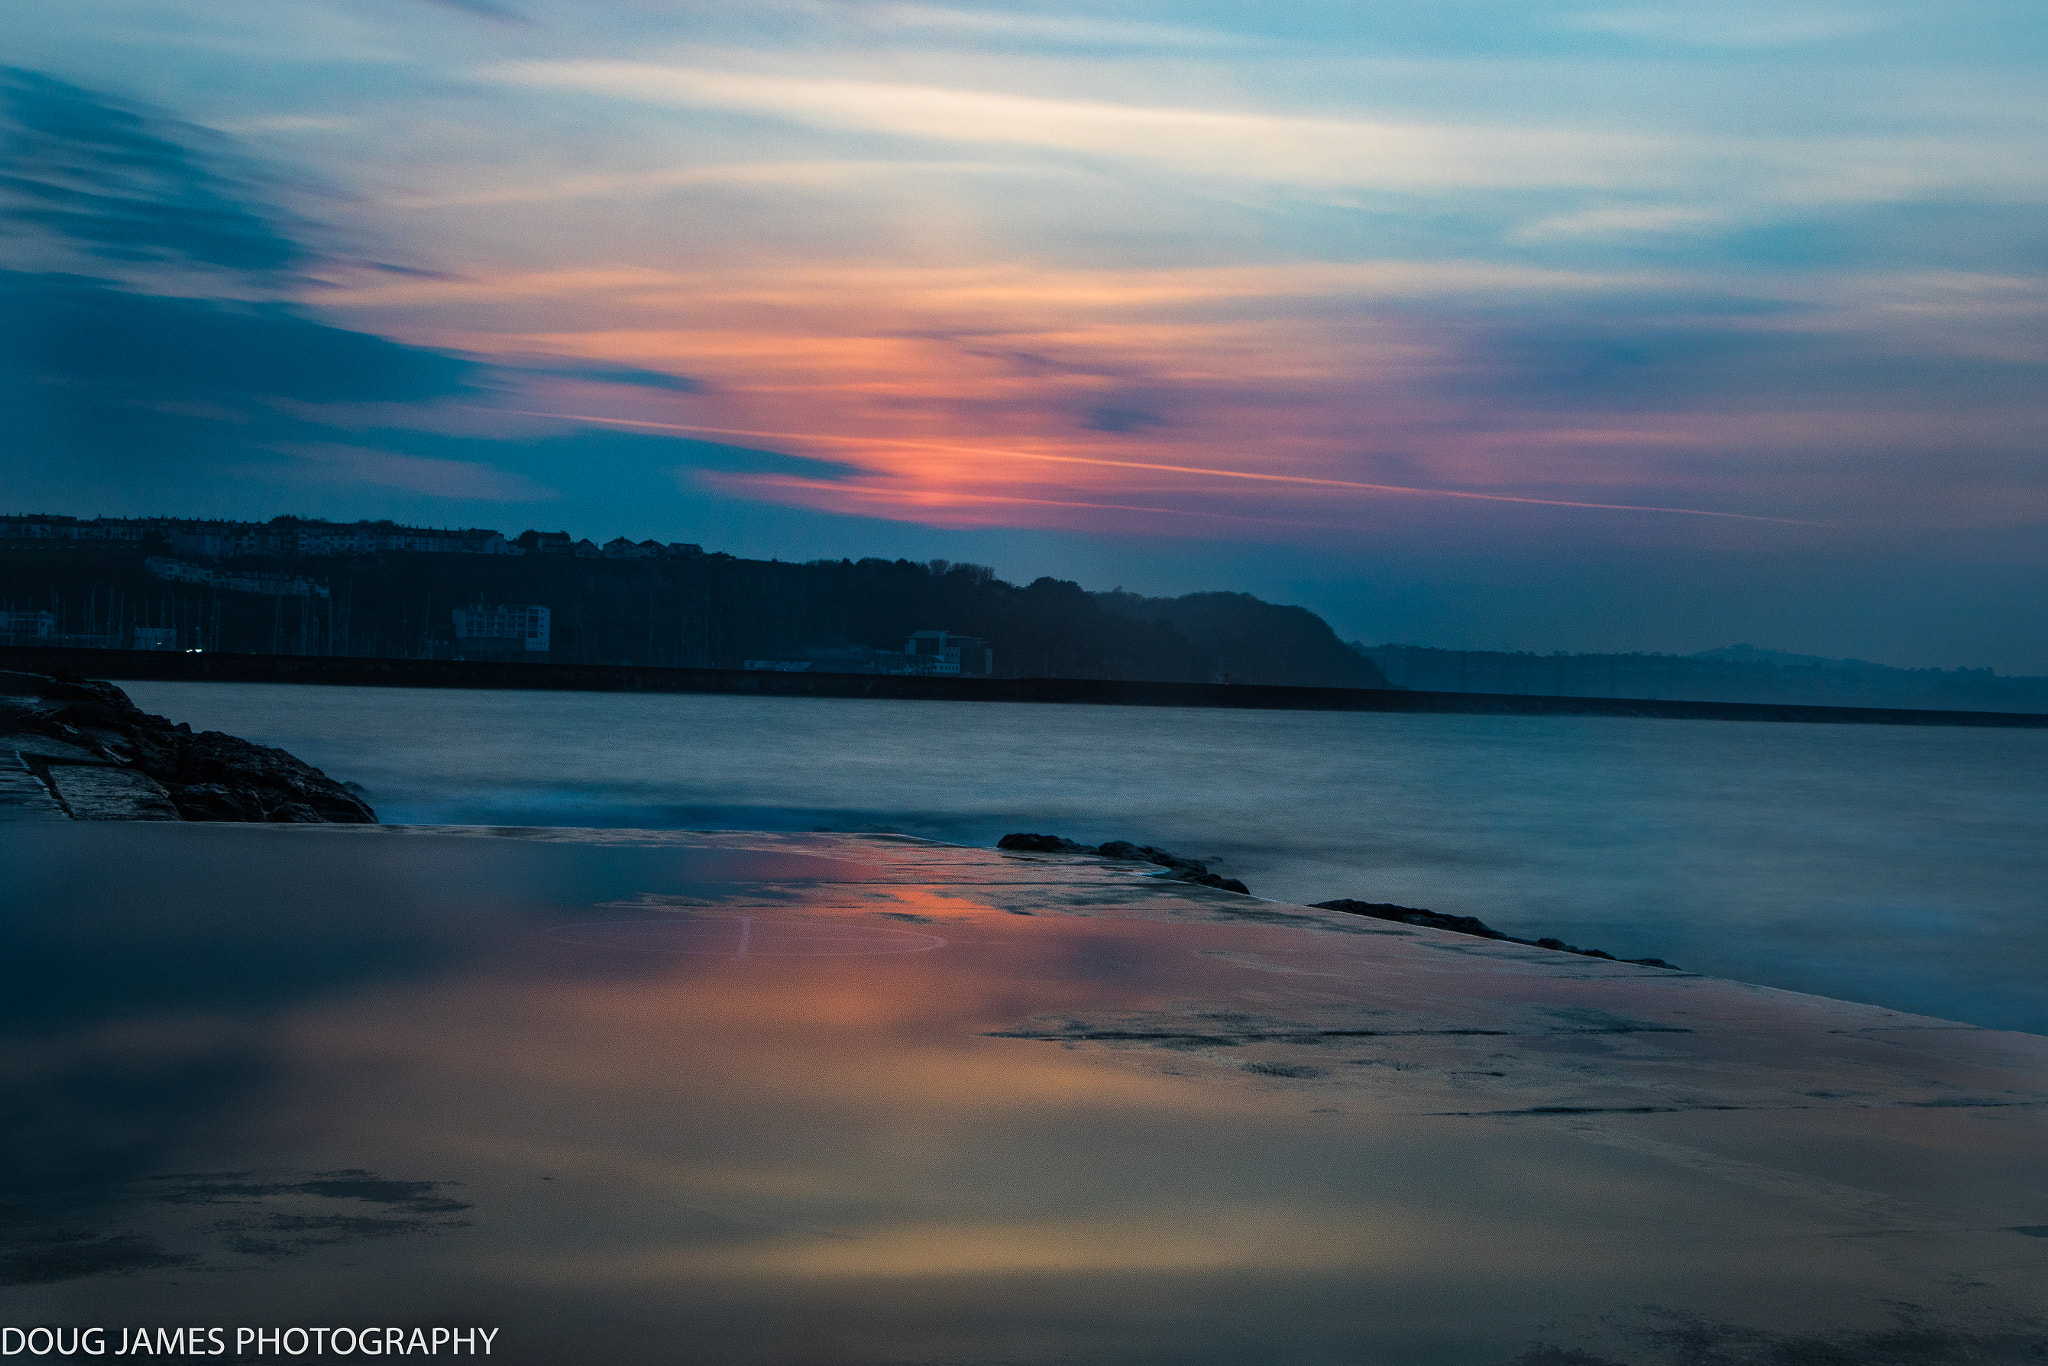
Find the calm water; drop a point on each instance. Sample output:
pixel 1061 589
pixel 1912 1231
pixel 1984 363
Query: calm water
pixel 1898 865
pixel 746 1100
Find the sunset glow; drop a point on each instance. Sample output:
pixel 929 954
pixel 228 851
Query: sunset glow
pixel 1509 325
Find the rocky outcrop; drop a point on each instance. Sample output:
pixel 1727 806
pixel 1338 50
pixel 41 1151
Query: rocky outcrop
pixel 81 750
pixel 1467 924
pixel 1177 868
pixel 1192 870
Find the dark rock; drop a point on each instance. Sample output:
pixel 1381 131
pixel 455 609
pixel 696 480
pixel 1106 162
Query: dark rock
pixel 1145 853
pixel 1041 844
pixel 1182 869
pixel 213 802
pixel 105 792
pixel 1178 868
pixel 207 777
pixel 1204 878
pixel 1413 915
pixel 1301 1071
pixel 1466 924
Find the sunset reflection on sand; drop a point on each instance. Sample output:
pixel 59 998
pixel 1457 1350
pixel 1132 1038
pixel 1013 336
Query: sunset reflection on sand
pixel 1102 1117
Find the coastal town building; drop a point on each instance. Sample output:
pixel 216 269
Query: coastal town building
pixel 225 539
pixel 949 655
pixel 282 537
pixel 933 653
pixel 558 543
pixel 26 628
pixel 503 629
pixel 53 528
pixel 236 580
pixel 836 659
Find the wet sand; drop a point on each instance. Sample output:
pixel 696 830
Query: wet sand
pixel 738 1097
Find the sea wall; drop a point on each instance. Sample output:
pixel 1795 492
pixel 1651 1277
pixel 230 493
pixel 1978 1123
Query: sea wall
pixel 169 666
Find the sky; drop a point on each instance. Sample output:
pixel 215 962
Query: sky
pixel 1495 324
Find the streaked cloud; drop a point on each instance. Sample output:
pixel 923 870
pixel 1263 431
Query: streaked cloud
pixel 1325 154
pixel 111 183
pixel 1732 26
pixel 790 174
pixel 482 9
pixel 1318 152
pixel 288 123
pixel 1038 26
pixel 1617 221
pixel 1197 472
pixel 554 367
pixel 465 480
pixel 968 288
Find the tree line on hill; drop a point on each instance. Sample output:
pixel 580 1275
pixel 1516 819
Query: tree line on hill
pixel 708 611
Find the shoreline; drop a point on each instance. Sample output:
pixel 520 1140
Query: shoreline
pixel 491 675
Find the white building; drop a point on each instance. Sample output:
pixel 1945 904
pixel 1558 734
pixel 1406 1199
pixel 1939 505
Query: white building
pixel 527 625
pixel 949 655
pixel 25 626
pixel 238 580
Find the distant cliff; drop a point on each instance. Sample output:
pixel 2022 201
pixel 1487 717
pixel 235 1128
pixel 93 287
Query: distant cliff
pixel 677 610
pixel 1243 640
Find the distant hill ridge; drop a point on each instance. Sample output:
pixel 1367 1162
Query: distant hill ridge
pixel 378 589
pixel 1750 654
pixel 1732 673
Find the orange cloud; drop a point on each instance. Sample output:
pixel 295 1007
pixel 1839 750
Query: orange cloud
pixel 1292 394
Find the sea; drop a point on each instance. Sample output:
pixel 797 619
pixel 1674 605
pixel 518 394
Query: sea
pixel 1904 866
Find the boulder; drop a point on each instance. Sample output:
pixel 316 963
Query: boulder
pixel 1472 925
pixel 1041 844
pixel 1178 868
pixel 1184 869
pixel 1412 915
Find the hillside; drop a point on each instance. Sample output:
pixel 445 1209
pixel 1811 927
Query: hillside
pixel 668 606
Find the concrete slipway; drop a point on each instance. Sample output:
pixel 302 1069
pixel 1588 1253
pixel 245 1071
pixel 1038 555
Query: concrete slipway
pixel 633 1096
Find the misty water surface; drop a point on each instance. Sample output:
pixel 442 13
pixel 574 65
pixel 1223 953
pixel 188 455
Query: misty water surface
pixel 1897 865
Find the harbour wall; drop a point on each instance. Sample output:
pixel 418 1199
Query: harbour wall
pixel 166 666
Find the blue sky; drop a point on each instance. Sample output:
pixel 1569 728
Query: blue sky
pixel 1523 325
